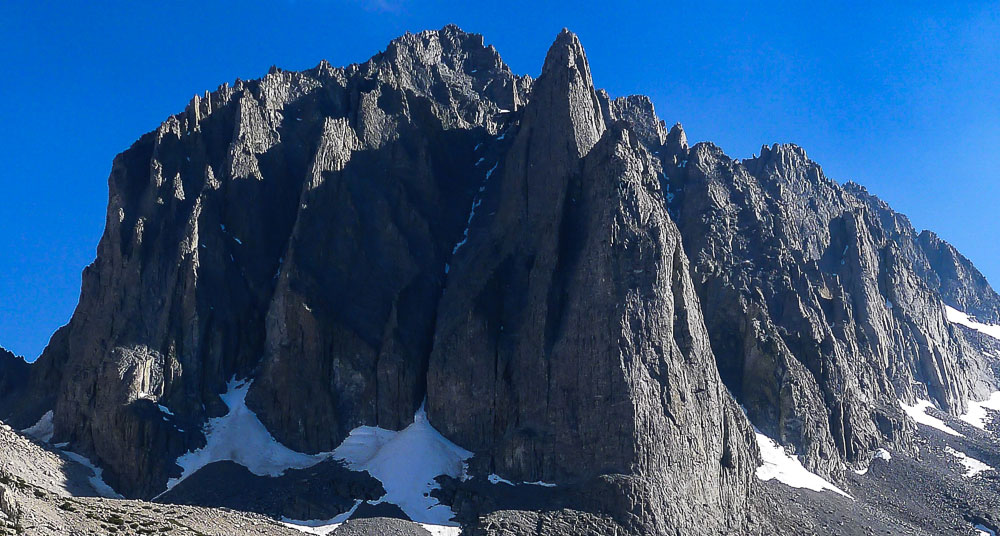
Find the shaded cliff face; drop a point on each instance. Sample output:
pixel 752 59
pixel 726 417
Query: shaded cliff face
pixel 292 229
pixel 14 377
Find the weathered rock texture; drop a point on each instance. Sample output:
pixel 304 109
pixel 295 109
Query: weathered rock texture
pixel 576 293
pixel 570 343
pixel 823 305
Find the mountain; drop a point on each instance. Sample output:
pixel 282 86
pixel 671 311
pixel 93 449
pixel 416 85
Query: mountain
pixel 428 288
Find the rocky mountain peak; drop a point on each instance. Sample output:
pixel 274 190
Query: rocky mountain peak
pixel 529 268
pixel 638 113
pixel 565 94
pixel 567 52
pixel 677 141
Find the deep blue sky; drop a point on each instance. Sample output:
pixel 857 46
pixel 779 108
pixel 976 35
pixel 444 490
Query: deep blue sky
pixel 902 98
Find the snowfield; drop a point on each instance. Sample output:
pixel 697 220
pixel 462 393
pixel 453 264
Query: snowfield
pixel 977 415
pixel 780 466
pixel 972 466
pixel 918 413
pixel 406 462
pixel 240 437
pixel 97 481
pixel 958 317
pixel 43 429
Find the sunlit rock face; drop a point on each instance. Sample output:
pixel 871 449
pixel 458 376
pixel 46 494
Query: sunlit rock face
pixel 824 307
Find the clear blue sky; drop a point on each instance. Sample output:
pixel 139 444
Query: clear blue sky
pixel 902 97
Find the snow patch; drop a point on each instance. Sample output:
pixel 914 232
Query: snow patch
pixel 320 527
pixel 441 530
pixel 478 200
pixel 972 466
pixel 406 462
pixel 958 317
pixel 239 436
pixel 984 530
pixel 880 454
pixel 43 429
pixel 165 410
pixel 788 470
pixel 919 414
pixel 490 172
pixel 977 415
pixel 496 479
pixel 97 480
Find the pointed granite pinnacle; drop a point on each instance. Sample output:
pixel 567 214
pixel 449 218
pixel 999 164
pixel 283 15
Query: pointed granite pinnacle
pixel 567 52
pixel 677 141
pixel 565 93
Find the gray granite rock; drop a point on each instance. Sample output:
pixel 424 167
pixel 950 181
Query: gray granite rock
pixel 578 295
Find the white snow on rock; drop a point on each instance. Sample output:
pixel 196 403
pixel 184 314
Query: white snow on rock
pixel 958 317
pixel 788 470
pixel 406 462
pixel 880 454
pixel 919 414
pixel 977 414
pixel 984 530
pixel 478 200
pixel 239 436
pixel 972 466
pixel 43 429
pixel 97 481
pixel 320 527
pixel 441 530
pixel 497 479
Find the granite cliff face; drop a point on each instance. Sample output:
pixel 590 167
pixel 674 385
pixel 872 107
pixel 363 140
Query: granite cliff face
pixel 570 290
pixel 823 305
pixel 569 342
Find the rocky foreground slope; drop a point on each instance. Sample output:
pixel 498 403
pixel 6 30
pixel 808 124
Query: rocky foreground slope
pixel 428 288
